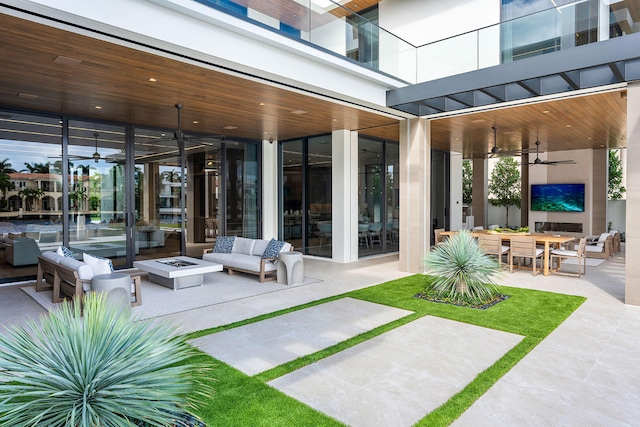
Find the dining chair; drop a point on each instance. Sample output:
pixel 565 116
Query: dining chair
pixel 363 234
pixel 579 255
pixel 491 244
pixel 524 247
pixel 375 231
pixel 438 237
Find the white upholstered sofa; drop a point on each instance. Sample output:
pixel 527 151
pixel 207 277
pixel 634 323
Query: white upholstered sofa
pixel 253 256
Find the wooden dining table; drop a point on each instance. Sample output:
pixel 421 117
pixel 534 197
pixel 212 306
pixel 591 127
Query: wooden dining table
pixel 550 241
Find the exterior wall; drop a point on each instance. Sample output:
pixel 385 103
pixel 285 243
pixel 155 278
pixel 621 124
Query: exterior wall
pixel 273 56
pixel 572 174
pixel 632 282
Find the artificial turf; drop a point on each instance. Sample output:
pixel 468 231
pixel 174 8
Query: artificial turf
pixel 242 400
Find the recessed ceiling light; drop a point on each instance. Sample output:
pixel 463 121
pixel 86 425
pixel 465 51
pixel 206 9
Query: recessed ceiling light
pixel 589 138
pixel 568 126
pixel 262 103
pixel 230 127
pixel 65 60
pixel 151 79
pixel 27 96
pixel 298 112
pixel 546 112
pixel 98 107
pixel 195 122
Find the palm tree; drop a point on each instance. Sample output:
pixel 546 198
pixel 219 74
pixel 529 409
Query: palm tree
pixel 38 167
pixel 29 194
pixel 5 184
pixel 5 167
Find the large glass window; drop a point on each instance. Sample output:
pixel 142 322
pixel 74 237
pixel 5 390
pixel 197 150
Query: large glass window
pixel 306 219
pixel 531 28
pixel 31 199
pixel 97 191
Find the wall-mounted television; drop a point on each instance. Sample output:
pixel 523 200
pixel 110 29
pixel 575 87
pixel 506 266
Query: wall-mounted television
pixel 557 197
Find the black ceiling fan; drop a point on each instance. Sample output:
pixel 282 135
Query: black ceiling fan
pixel 537 161
pixel 496 151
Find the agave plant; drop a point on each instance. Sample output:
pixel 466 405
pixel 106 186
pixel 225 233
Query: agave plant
pixel 461 271
pixel 88 365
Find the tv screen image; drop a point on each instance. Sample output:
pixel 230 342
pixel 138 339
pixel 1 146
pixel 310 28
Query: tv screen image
pixel 557 197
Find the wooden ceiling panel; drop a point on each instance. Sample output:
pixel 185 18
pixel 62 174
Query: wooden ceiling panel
pixel 116 78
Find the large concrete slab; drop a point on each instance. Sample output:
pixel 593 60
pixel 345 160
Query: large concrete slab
pixel 263 345
pixel 397 378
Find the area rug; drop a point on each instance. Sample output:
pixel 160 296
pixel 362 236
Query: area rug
pixel 217 289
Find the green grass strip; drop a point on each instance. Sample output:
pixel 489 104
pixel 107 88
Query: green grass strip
pixel 244 400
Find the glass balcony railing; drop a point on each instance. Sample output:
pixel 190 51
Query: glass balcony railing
pixel 337 29
pixel 564 27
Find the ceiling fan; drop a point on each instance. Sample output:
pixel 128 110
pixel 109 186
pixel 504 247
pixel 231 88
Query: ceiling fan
pixel 495 150
pixel 96 155
pixel 537 161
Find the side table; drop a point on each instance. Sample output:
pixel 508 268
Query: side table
pixel 117 286
pixel 290 268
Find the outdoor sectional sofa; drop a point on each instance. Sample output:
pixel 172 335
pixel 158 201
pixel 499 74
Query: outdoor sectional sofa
pixel 253 256
pixel 72 277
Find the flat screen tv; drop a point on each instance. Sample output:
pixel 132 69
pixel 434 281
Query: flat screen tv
pixel 557 197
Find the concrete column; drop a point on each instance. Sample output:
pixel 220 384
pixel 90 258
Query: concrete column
pixel 415 194
pixel 599 191
pixel 524 191
pixel 480 192
pixel 270 189
pixel 632 246
pixel 344 185
pixel 455 199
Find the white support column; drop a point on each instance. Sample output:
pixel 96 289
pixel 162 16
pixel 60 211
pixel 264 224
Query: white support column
pixel 415 193
pixel 270 189
pixel 344 185
pixel 480 192
pixel 632 245
pixel 455 191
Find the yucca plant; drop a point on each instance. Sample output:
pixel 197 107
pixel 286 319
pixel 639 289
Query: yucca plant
pixel 460 271
pixel 89 365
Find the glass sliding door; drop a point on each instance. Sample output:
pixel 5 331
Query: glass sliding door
pixel 378 196
pixel 97 191
pixel 31 191
pixel 306 205
pixel 319 202
pixel 182 211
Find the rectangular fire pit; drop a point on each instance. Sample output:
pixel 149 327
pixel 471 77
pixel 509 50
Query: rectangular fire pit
pixel 177 272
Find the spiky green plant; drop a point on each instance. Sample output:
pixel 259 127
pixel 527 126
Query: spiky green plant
pixel 461 271
pixel 96 366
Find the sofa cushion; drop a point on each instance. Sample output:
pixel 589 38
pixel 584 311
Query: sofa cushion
pixel 98 264
pixel 243 246
pixel 84 270
pixel 602 239
pixel 259 246
pixel 52 256
pixel 64 251
pixel 224 244
pixel 273 248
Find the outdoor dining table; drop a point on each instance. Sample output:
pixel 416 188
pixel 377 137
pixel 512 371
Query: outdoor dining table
pixel 548 240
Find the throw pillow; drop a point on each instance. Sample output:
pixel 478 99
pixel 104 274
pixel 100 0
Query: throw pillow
pixel 64 251
pixel 224 244
pixel 98 264
pixel 273 248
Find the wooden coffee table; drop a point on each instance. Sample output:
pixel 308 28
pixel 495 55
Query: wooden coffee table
pixel 177 272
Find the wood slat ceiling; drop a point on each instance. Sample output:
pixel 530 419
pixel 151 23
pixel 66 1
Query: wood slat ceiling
pixel 116 78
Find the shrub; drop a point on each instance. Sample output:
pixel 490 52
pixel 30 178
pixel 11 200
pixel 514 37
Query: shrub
pixel 461 271
pixel 95 366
